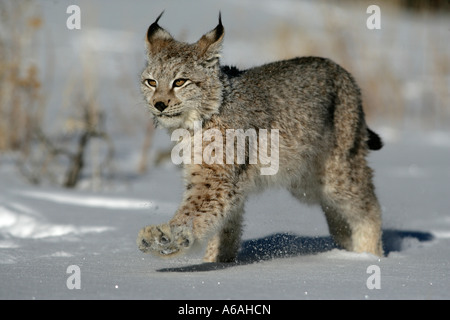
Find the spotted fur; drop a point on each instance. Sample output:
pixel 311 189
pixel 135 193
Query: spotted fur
pixel 324 140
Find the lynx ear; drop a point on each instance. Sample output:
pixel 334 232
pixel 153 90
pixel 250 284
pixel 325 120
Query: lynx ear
pixel 210 44
pixel 157 37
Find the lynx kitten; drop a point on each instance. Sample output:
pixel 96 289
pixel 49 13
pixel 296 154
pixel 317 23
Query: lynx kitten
pixel 323 142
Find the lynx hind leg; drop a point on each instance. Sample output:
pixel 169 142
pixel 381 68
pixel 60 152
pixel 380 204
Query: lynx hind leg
pixel 355 229
pixel 352 211
pixel 224 246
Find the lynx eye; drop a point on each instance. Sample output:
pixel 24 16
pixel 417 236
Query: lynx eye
pixel 179 82
pixel 150 83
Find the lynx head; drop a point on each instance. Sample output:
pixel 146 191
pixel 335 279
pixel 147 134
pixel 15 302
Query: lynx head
pixel 181 81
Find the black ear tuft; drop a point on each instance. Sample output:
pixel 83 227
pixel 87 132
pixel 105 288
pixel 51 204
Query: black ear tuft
pixel 154 27
pixel 157 37
pixel 210 43
pixel 219 29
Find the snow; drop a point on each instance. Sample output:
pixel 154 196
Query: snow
pixel 44 231
pixel 286 251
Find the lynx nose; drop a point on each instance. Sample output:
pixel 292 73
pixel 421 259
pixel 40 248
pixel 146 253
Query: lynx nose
pixel 160 106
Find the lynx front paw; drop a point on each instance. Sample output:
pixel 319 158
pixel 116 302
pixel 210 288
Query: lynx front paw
pixel 165 240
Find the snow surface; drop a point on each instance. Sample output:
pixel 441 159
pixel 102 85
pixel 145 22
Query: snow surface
pixel 286 255
pixel 286 251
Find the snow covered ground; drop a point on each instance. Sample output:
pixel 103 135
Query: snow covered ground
pixel 286 253
pixel 52 239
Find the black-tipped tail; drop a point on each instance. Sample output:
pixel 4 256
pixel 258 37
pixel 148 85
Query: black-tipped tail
pixel 374 142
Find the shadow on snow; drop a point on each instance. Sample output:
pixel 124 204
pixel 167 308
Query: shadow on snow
pixel 284 245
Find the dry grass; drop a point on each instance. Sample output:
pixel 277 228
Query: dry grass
pixel 42 156
pixel 21 99
pixel 388 95
pixel 80 140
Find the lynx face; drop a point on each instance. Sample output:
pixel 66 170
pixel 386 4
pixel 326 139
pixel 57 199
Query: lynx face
pixel 180 83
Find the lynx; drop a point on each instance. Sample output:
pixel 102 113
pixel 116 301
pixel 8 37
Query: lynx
pixel 323 142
